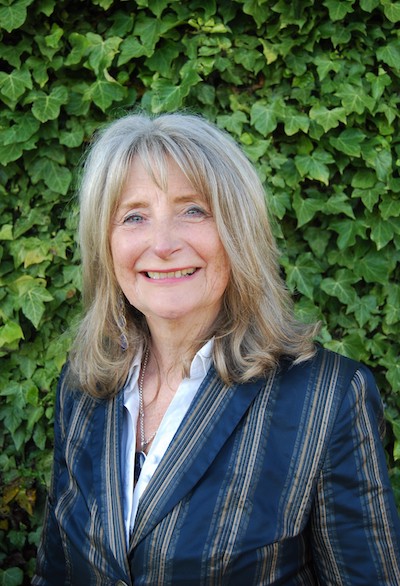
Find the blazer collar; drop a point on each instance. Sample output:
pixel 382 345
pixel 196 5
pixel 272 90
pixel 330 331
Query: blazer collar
pixel 106 446
pixel 214 414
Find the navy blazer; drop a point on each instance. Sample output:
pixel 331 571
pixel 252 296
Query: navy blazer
pixel 278 481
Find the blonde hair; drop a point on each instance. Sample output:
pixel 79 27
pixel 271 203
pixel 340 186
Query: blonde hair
pixel 256 325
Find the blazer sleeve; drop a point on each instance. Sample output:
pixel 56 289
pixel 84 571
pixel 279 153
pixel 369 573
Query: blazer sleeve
pixel 355 525
pixel 50 561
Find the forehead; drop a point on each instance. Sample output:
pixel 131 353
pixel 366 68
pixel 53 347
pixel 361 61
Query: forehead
pixel 164 176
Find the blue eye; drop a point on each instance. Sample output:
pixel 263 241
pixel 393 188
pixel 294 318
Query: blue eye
pixel 133 219
pixel 196 211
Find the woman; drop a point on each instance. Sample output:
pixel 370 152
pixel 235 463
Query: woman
pixel 200 436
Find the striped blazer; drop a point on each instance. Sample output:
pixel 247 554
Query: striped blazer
pixel 278 481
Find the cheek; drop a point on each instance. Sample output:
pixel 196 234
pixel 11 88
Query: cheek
pixel 222 267
pixel 122 251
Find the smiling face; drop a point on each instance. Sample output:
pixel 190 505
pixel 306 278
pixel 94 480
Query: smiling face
pixel 167 255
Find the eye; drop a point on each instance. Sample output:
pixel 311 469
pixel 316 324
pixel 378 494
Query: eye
pixel 134 218
pixel 196 212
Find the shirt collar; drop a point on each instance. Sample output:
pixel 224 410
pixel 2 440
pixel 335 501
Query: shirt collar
pixel 202 360
pixel 198 368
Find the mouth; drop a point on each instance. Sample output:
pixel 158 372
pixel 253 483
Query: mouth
pixel 158 275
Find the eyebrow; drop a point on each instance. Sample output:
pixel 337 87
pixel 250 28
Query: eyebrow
pixel 137 203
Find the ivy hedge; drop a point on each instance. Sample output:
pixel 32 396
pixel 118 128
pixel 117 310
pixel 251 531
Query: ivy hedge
pixel 310 89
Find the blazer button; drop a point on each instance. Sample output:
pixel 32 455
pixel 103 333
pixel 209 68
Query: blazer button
pixel 121 583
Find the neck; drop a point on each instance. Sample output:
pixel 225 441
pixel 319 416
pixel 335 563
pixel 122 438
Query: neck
pixel 173 345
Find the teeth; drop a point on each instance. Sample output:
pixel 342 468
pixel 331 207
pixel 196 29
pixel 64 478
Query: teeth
pixel 171 274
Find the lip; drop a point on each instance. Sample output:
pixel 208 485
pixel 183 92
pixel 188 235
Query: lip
pixel 177 274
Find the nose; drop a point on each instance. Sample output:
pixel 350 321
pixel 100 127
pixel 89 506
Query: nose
pixel 165 238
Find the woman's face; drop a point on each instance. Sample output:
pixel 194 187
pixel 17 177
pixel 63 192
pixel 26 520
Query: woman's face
pixel 168 258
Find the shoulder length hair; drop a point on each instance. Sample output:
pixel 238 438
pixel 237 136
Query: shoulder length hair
pixel 256 324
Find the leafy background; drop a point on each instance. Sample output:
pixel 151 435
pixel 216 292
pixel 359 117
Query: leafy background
pixel 311 91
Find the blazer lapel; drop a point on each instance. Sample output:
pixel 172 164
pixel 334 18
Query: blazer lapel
pixel 214 414
pixel 107 474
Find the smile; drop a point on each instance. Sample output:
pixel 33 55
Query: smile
pixel 170 274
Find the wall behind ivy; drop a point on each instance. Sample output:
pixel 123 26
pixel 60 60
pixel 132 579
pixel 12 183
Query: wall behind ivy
pixel 311 90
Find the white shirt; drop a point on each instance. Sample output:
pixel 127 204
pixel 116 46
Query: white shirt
pixel 169 425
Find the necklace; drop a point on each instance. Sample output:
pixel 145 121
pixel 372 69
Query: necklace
pixel 143 441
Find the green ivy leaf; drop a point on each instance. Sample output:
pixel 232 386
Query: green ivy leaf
pixel 6 232
pixel 363 308
pixel 14 84
pixel 369 5
pixel 34 415
pixel 162 58
pixel 132 48
pixel 317 239
pixel 105 4
pixel 269 51
pixel 339 203
pixel 17 392
pixel 47 7
pixel 354 99
pixel 11 576
pixel 47 106
pixel 157 7
pixel 363 179
pixel 263 116
pixel 390 54
pixel 369 197
pixel 328 119
pixel 104 93
pixel 325 63
pixel 390 360
pixel 338 9
pixel 233 123
pixel 14 15
pixel 392 307
pixel 29 251
pixel 374 267
pixel 73 136
pixel 306 208
pixel 168 96
pixel 314 166
pixel 258 10
pixel 295 122
pixel 391 10
pixel 148 30
pixel 57 177
pixel 278 203
pixel 378 83
pixel 53 39
pixel 9 333
pixel 303 274
pixel 32 296
pixel 349 142
pixel 39 437
pixel 382 232
pixel 79 44
pixel 351 345
pixel 389 207
pixel 10 153
pixel 348 230
pixel 24 128
pixel 379 158
pixel 256 149
pixel 341 286
pixel 101 52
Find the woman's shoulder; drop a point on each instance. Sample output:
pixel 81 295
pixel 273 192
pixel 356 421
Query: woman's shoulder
pixel 329 373
pixel 70 397
pixel 332 362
